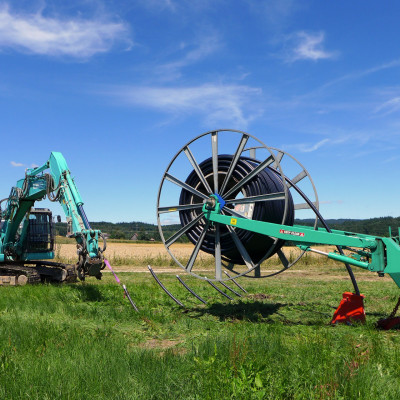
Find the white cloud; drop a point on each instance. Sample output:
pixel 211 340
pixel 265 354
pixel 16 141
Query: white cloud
pixel 390 159
pixel 276 13
pixel 170 221
pixel 216 103
pixel 38 34
pixel 181 7
pixel 279 9
pixel 207 45
pixel 307 148
pixel 361 74
pixel 16 164
pixel 389 107
pixel 337 140
pixel 307 46
pixel 160 5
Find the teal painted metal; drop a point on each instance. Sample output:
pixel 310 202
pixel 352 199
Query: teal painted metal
pixel 39 256
pixel 337 257
pixel 296 234
pixel 22 198
pixel 373 253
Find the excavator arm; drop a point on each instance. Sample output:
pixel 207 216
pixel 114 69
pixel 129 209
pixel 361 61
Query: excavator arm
pixel 54 181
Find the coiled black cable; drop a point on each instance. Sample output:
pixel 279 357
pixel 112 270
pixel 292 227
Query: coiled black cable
pixel 50 188
pixel 265 182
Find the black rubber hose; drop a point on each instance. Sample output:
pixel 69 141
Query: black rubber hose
pixel 266 181
pixel 1 201
pixel 50 189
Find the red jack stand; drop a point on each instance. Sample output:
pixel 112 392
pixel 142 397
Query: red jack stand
pixel 350 309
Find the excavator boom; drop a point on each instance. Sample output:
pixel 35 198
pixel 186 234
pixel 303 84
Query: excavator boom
pixel 27 234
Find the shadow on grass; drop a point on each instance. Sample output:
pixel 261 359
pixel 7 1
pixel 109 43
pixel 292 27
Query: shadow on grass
pixel 88 292
pixel 253 312
pixel 270 313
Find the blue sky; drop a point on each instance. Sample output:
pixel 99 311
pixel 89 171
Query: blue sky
pixel 118 87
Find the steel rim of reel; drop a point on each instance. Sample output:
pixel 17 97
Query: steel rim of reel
pixel 302 175
pixel 214 148
pixel 315 210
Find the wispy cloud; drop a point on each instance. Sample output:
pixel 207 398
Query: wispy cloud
pixel 77 38
pixel 389 107
pixel 205 46
pixel 333 140
pixel 358 74
pixel 278 10
pixel 160 4
pixel 276 13
pixel 307 46
pixel 390 159
pixel 170 221
pixel 215 103
pixel 179 7
pixel 16 164
pixel 308 148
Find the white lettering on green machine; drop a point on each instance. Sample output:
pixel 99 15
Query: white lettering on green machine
pixel 301 234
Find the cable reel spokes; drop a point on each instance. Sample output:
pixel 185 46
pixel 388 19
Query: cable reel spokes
pixel 228 204
pixel 305 199
pixel 246 187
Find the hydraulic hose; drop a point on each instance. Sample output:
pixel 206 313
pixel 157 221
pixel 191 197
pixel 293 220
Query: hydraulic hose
pixel 50 189
pixel 1 211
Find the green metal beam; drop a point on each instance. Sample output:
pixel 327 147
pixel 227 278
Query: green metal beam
pixel 291 233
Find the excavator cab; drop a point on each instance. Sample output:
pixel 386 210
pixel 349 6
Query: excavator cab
pixel 40 232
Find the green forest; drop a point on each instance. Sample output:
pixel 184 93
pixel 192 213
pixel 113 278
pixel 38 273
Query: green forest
pixel 144 231
pixel 126 230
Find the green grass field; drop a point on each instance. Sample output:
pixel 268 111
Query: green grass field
pixel 84 341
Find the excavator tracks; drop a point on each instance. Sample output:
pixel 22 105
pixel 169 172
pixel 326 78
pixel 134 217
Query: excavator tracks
pixel 19 274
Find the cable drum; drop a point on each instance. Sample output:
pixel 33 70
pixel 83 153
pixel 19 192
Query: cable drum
pixel 252 186
pixel 265 182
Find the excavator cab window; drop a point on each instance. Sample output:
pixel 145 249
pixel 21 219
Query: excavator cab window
pixel 40 231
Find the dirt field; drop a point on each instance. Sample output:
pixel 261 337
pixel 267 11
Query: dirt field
pixel 139 250
pixel 143 250
pixel 134 257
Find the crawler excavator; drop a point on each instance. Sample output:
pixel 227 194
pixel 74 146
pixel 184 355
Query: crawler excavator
pixel 27 234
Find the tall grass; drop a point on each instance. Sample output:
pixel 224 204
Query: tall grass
pixel 84 341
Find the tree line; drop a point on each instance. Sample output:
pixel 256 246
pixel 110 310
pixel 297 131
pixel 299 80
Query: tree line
pixel 126 230
pixel 372 226
pixel 144 231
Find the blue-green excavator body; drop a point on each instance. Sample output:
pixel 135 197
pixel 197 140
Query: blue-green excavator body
pixel 27 233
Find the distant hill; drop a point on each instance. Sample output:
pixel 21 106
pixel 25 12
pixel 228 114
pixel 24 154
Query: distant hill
pixel 144 231
pixel 330 221
pixel 372 226
pixel 126 230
